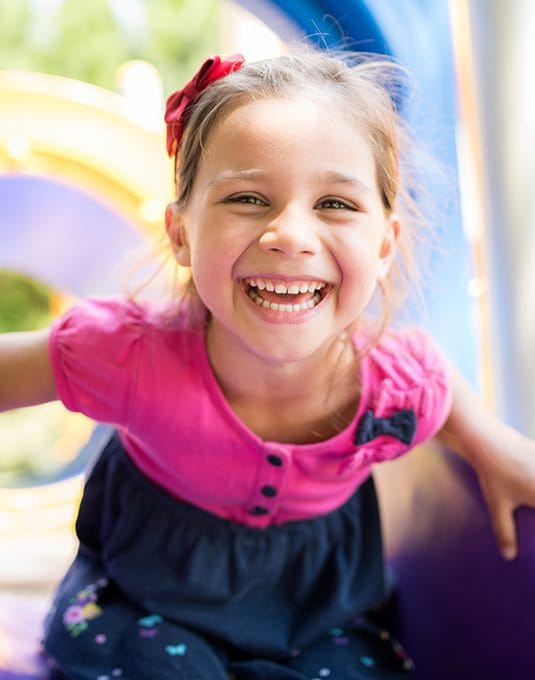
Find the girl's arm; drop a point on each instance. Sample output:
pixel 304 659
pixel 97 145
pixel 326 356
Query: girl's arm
pixel 503 459
pixel 25 370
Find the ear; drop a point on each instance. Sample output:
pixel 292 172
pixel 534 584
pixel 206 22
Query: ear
pixel 389 245
pixel 174 225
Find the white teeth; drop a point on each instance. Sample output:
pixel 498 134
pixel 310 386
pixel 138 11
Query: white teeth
pixel 258 285
pixel 282 288
pixel 276 307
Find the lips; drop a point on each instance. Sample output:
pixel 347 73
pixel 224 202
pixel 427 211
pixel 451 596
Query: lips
pixel 285 296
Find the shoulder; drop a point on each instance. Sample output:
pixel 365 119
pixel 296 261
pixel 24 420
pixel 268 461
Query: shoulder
pixel 406 371
pixel 408 356
pixel 102 349
pixel 110 313
pixel 116 316
pixel 114 330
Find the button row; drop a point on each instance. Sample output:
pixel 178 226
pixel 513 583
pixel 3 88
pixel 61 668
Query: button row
pixel 268 490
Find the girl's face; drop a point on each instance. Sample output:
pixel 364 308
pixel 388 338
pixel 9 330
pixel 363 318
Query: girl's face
pixel 285 232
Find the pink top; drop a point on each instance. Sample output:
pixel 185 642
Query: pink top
pixel 119 363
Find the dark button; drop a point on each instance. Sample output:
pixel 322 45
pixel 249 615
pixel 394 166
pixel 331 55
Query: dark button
pixel 269 491
pixel 258 510
pixel 274 460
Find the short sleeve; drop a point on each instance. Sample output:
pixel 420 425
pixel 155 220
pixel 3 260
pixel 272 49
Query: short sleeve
pixel 94 349
pixel 409 372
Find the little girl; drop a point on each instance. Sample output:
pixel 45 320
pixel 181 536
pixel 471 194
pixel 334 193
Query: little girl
pixel 230 526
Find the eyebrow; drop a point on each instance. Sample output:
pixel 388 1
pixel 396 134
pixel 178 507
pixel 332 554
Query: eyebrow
pixel 234 175
pixel 333 177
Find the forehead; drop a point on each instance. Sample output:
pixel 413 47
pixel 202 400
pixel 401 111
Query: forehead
pixel 314 131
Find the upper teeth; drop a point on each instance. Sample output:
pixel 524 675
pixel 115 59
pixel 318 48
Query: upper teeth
pixel 282 288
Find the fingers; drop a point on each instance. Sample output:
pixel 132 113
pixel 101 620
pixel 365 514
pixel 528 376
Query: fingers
pixel 503 524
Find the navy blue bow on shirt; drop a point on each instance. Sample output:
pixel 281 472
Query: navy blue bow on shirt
pixel 401 425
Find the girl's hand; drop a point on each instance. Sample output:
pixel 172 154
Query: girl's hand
pixel 506 470
pixel 503 459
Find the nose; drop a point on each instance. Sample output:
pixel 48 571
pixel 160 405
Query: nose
pixel 291 232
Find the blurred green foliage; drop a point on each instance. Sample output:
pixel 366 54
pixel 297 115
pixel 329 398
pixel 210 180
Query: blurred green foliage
pixel 90 40
pixel 24 303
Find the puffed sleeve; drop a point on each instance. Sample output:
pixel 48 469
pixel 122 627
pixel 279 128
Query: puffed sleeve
pixel 412 375
pixel 94 348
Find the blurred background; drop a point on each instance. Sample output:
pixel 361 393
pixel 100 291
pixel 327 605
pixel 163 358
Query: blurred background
pixel 84 180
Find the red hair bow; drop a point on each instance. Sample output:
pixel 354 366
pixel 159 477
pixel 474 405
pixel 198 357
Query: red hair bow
pixel 178 107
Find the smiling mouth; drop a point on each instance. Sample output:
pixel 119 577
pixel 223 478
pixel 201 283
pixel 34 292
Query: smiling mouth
pixel 281 296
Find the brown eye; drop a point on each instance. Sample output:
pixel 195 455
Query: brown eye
pixel 246 199
pixel 336 204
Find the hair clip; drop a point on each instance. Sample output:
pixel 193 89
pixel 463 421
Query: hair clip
pixel 178 107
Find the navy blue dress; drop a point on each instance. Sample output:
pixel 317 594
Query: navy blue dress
pixel 161 589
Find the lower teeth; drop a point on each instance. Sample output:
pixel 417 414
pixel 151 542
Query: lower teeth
pixel 276 307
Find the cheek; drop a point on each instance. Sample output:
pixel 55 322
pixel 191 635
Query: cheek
pixel 360 269
pixel 359 254
pixel 211 268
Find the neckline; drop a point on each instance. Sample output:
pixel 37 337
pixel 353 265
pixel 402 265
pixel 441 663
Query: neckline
pixel 222 404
